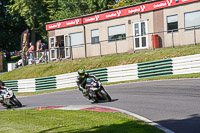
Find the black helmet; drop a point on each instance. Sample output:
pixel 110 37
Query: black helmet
pixel 81 73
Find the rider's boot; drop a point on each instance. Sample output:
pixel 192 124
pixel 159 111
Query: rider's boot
pixel 86 94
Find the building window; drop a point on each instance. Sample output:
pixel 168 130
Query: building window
pixel 76 39
pixel 192 19
pixel 116 33
pixel 95 36
pixel 172 23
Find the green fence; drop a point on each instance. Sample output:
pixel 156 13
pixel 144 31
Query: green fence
pixel 100 73
pixel 13 84
pixel 45 83
pixel 155 68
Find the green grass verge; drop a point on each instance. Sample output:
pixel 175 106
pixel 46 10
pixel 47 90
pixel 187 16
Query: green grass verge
pixel 63 121
pixel 62 67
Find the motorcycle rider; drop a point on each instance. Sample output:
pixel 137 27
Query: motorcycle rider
pixel 1 88
pixel 81 81
pixel 1 85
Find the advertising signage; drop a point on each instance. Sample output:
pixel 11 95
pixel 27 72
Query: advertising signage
pixel 118 13
pixel 63 24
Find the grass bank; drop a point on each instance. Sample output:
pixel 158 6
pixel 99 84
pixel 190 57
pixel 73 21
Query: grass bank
pixel 54 121
pixel 61 67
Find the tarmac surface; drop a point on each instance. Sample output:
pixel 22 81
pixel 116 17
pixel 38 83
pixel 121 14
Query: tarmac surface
pixel 173 104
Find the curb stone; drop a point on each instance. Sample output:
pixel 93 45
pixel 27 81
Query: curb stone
pixel 100 108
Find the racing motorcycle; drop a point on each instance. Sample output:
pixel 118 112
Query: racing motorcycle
pixel 8 98
pixel 96 91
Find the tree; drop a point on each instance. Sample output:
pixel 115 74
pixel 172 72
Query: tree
pixel 120 3
pixel 12 25
pixel 99 5
pixel 35 14
pixel 74 8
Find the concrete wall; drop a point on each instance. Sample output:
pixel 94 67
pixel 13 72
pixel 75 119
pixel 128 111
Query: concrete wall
pixel 120 46
pixel 158 24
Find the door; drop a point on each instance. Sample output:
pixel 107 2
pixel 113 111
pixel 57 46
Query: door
pixel 53 52
pixel 67 46
pixel 140 35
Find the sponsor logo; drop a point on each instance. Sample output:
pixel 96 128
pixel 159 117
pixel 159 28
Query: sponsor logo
pixel 119 13
pixel 134 10
pixel 77 21
pixel 116 14
pixel 94 18
pixel 59 24
pixel 73 22
pixel 168 3
pixel 142 8
pixel 160 5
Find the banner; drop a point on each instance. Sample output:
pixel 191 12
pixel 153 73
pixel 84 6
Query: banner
pixel 25 41
pixel 143 7
pixel 38 48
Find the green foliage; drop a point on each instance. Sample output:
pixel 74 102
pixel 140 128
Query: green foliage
pixel 11 26
pixel 126 3
pixel 73 8
pixel 35 13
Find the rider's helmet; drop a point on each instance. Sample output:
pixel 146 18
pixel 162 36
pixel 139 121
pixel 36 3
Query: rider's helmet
pixel 81 73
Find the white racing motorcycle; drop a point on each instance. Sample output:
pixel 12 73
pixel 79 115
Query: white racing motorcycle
pixel 96 91
pixel 8 98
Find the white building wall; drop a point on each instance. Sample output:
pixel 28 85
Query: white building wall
pixel 182 37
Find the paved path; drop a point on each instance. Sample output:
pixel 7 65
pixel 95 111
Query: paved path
pixel 173 104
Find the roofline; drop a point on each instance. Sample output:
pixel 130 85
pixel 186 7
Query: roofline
pixel 105 11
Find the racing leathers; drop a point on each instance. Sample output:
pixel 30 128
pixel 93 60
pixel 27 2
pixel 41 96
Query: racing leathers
pixel 81 82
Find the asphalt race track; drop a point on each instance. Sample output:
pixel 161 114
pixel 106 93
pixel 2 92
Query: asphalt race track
pixel 174 104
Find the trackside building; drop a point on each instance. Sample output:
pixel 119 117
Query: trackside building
pixel 149 25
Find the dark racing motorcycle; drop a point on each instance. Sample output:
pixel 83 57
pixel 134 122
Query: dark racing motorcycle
pixel 8 98
pixel 96 91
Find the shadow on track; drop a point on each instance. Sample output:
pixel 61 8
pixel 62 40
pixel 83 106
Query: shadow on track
pixel 104 101
pixel 189 125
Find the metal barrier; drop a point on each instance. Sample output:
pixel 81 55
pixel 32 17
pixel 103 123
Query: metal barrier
pixel 12 84
pixel 155 68
pixel 122 73
pixel 100 73
pixel 45 83
pixel 186 64
pixel 178 65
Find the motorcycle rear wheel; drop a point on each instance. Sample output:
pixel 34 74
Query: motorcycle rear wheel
pixel 105 95
pixel 16 102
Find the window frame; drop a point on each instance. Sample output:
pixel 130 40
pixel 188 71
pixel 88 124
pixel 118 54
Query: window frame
pixel 191 27
pixel 94 37
pixel 174 30
pixel 122 38
pixel 70 37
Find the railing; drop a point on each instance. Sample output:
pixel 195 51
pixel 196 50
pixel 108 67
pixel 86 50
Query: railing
pixel 172 38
